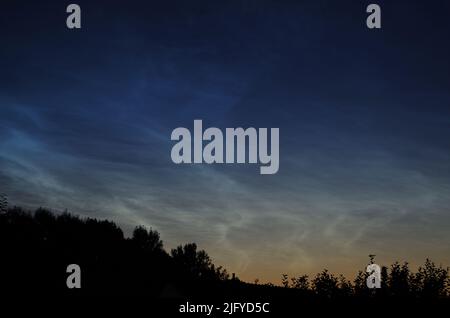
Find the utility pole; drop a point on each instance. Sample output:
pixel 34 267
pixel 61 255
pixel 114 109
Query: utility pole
pixel 3 203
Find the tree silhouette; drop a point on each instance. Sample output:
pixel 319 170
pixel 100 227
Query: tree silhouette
pixel 360 285
pixel 399 280
pixel 197 263
pixel 430 281
pixel 285 280
pixel 147 240
pixel 345 287
pixel 325 284
pixel 301 282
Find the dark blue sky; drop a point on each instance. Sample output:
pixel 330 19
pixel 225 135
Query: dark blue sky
pixel 364 118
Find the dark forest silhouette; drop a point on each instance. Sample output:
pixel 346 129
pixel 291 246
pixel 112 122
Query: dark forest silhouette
pixel 37 247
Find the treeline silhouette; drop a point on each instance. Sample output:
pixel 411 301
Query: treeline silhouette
pixel 36 248
pixel 429 282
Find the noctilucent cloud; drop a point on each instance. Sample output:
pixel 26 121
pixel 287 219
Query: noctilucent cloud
pixel 364 117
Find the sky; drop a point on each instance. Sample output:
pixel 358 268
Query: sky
pixel 364 116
